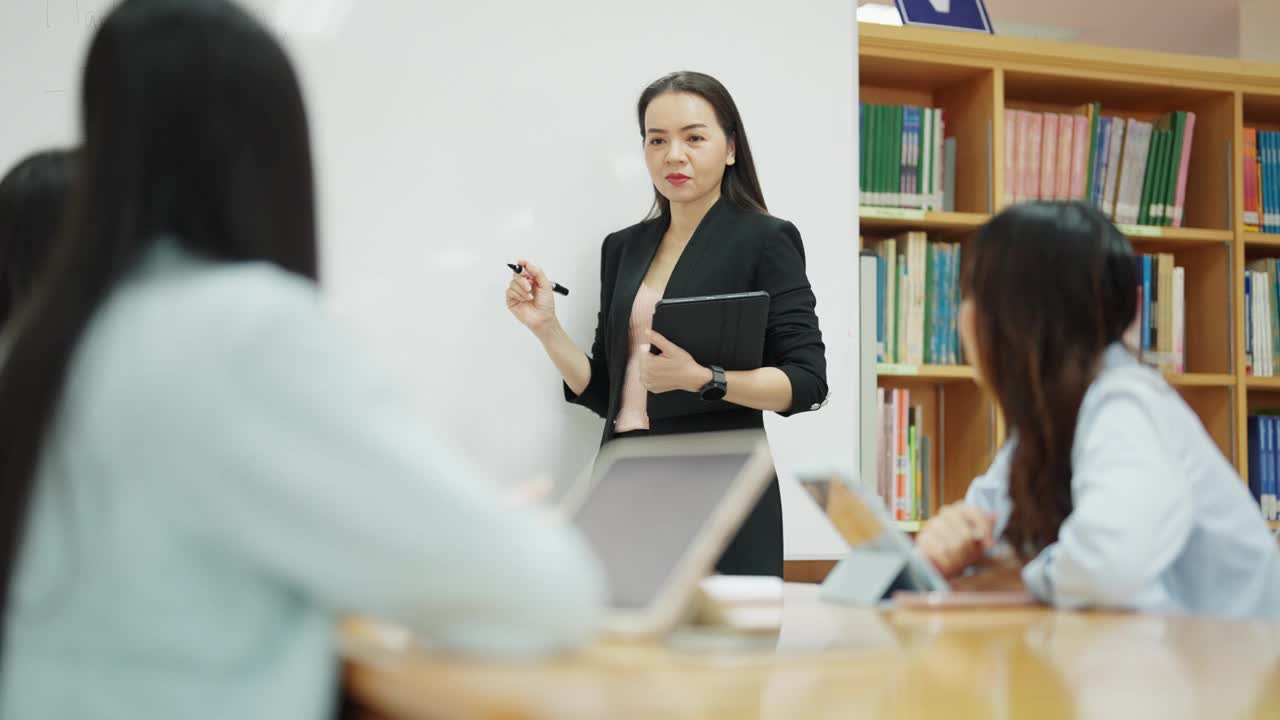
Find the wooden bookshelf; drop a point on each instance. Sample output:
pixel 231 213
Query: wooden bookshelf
pixel 901 219
pixel 939 373
pixel 1261 240
pixel 1222 380
pixel 974 78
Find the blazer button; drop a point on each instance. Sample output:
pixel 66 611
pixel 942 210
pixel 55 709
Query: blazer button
pixel 815 406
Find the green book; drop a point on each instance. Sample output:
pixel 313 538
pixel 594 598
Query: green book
pixel 1151 182
pixel 1094 111
pixel 862 146
pixel 914 460
pixel 882 161
pixel 868 179
pixel 1162 185
pixel 1155 212
pixel 1148 178
pixel 895 176
pixel 1175 166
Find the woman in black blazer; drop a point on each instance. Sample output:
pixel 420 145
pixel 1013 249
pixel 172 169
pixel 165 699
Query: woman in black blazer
pixel 708 234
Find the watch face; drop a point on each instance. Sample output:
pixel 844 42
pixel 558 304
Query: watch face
pixel 713 393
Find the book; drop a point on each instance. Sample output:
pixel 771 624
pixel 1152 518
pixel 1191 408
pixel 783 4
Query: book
pixel 1251 180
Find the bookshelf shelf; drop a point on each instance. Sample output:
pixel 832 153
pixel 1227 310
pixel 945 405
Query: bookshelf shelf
pixel 927 372
pixel 1254 382
pixel 1261 240
pixel 1141 235
pixel 896 219
pixel 1201 380
pixel 975 79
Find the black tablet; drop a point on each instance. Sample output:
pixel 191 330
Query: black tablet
pixel 724 330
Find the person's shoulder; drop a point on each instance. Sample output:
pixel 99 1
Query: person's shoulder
pixel 181 336
pixel 760 231
pixel 1126 388
pixel 224 298
pixel 758 223
pixel 179 310
pixel 1122 374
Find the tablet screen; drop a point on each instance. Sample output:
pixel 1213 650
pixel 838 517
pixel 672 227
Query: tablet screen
pixel 645 512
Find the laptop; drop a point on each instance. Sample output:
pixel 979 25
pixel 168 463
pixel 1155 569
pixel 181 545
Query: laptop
pixel 659 511
pixel 881 558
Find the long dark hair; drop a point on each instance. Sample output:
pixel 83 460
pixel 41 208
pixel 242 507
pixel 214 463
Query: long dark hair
pixel 194 129
pixel 740 184
pixel 1053 285
pixel 33 202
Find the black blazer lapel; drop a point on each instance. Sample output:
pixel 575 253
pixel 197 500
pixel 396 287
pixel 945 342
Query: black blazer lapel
pixel 632 266
pixel 689 275
pixel 635 256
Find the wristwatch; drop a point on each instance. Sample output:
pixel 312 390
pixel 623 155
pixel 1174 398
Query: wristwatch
pixel 715 389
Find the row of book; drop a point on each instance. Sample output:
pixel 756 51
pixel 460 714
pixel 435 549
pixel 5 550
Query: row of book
pixel 1264 461
pixel 1135 172
pixel 917 300
pixel 903 478
pixel 1261 317
pixel 1261 181
pixel 1161 330
pixel 904 156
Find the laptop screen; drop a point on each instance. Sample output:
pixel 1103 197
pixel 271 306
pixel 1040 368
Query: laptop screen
pixel 644 513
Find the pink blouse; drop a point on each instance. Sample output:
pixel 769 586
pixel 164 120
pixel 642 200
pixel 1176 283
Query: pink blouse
pixel 634 415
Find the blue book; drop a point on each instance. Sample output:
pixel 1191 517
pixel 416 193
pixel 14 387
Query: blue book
pixel 944 327
pixel 1273 467
pixel 953 342
pixel 1272 182
pixel 1255 457
pixel 1269 462
pixel 957 252
pixel 1248 316
pixel 1264 189
pixel 1264 162
pixel 935 304
pixel 1264 194
pixel 1268 181
pixel 1266 155
pixel 1101 156
pixel 1146 302
pixel 911 167
pixel 944 301
pixel 1266 457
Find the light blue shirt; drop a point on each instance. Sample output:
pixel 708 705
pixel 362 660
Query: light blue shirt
pixel 226 476
pixel 1160 519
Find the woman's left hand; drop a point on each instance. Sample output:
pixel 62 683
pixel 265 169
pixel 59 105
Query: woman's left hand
pixel 674 369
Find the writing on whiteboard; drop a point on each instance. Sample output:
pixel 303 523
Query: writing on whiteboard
pixel 69 14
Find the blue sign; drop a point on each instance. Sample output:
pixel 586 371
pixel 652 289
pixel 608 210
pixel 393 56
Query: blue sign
pixel 953 14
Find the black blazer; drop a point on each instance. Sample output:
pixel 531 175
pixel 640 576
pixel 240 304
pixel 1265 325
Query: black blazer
pixel 732 250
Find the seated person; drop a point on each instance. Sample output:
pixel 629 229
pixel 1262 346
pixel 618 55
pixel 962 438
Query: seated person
pixel 1109 488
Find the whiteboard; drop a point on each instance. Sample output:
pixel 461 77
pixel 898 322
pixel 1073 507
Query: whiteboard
pixel 451 138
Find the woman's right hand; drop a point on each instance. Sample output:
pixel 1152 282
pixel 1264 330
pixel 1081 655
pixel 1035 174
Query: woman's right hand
pixel 957 537
pixel 530 298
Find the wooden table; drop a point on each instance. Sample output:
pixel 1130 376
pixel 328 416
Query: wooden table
pixel 835 662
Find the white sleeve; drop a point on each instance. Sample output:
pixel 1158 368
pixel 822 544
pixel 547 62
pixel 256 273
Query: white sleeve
pixel 989 492
pixel 1131 511
pixel 321 475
